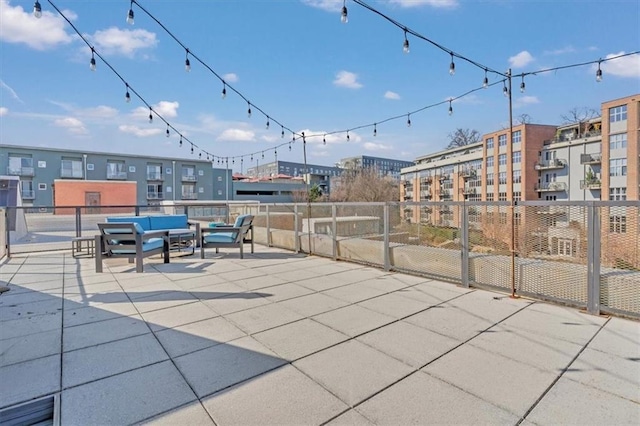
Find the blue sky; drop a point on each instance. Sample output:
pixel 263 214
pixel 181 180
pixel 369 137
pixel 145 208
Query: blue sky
pixel 295 60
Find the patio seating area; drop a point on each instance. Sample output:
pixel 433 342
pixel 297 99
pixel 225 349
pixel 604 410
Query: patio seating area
pixel 286 338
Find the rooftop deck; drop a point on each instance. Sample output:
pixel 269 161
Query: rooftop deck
pixel 285 338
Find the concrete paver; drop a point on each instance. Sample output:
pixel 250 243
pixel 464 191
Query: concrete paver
pixel 29 380
pixel 176 316
pixel 192 414
pixel 353 320
pixel 30 346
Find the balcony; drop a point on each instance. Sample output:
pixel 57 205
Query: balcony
pixel 445 195
pixel 469 173
pixel 470 190
pixel 116 175
pixel 28 194
pixel 155 196
pixel 189 178
pixel 190 196
pixel 551 187
pixel 73 174
pixel 591 158
pixel 154 176
pixel 426 180
pixel 444 177
pixel 20 171
pixel 591 184
pixel 550 164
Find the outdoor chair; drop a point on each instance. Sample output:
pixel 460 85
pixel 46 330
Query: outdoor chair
pixel 220 236
pixel 131 241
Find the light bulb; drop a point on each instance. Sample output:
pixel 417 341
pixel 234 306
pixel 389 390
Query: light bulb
pixel 324 140
pixel 375 130
pixel 408 121
pixel 130 17
pixel 522 86
pixel 249 111
pixel 200 155
pixel 92 63
pixel 405 46
pixel 450 109
pixel 224 91
pixel 127 96
pixel 485 82
pixel 505 91
pixel 282 133
pixel 167 134
pixel 37 9
pixel 187 65
pixel 150 115
pixel 452 67
pixel 180 143
pixel 289 146
pixel 343 16
pixel 192 148
pixel 348 138
pixel 268 123
pixel 599 74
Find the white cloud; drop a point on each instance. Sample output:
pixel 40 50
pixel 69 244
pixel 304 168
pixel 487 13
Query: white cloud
pixel 347 79
pixel 370 146
pixel 328 5
pixel 320 153
pixel 237 135
pixel 391 95
pixel 268 138
pixel 628 66
pixel 525 100
pixel 166 109
pixel 20 26
pixel 520 60
pixel 445 4
pixel 114 41
pixel 12 92
pixel 230 77
pixel 72 124
pixel 4 111
pixel 137 131
pixel 101 111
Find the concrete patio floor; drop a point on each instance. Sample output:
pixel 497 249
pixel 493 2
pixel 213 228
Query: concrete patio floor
pixel 282 338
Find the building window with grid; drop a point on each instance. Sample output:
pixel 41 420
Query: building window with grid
pixel 154 171
pixel 516 137
pixel 490 196
pixel 618 167
pixel 502 196
pixel 26 190
pixel 502 178
pixel 489 143
pixel 618 113
pixel 489 178
pixel 517 196
pixel 489 162
pixel 71 168
pixel 20 165
pixel 116 170
pixel 618 141
pixel 189 191
pixel 517 176
pixel 618 224
pixel 617 194
pixel 502 140
pixel 154 191
pixel 516 157
pixel 502 159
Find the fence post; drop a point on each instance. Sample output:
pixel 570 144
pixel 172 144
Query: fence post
pixel 295 231
pixel 387 261
pixel 137 210
pixel 464 245
pixel 8 230
pixel 78 222
pixel 268 226
pixel 593 259
pixel 334 229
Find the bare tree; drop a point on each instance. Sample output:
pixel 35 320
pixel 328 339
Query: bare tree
pixel 364 185
pixel 462 137
pixel 524 119
pixel 580 116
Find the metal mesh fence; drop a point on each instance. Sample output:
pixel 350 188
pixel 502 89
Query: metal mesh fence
pixel 359 232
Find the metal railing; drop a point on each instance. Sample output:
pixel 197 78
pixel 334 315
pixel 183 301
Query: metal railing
pixel 585 254
pixel 590 184
pixel 154 176
pixel 155 196
pixel 28 194
pixel 551 186
pixel 550 164
pixel 591 158
pixel 20 171
pixel 116 175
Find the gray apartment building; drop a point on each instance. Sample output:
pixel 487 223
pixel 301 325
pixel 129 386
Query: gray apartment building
pixel 385 166
pixel 152 179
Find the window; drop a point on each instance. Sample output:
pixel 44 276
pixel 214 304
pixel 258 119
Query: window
pixel 618 167
pixel 502 159
pixel 502 140
pixel 502 196
pixel 189 191
pixel 20 166
pixel 154 191
pixel 71 168
pixel 154 171
pixel 502 178
pixel 42 187
pixel 618 224
pixel 26 190
pixel 489 143
pixel 517 157
pixel 116 170
pixel 489 162
pixel 90 166
pixel 219 178
pixel 516 137
pixel 189 173
pixel 517 176
pixel 490 196
pixel 517 196
pixel 618 113
pixel 617 194
pixel 618 141
pixel 489 178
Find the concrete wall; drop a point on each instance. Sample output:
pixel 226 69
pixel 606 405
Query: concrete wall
pixel 3 233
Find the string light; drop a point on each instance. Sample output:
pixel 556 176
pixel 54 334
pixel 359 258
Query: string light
pixel 248 109
pixel 224 90
pixel 324 139
pixel 150 115
pixel 450 108
pixel 263 155
pixel 293 136
pixel 187 63
pixel 289 146
pixel 599 73
pixel 252 158
pixel 343 16
pixel 405 45
pixel 452 67
pixel 408 120
pixel 92 62
pixel 130 15
pixel 522 85
pixel 127 96
pixel 375 129
pixel 485 82
pixel 180 143
pixel 282 133
pixel 268 122
pixel 37 10
pixel 191 148
pixel 505 91
pixel 168 134
pixel 348 138
pixel 200 155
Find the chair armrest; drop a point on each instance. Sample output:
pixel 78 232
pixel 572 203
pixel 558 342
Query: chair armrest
pixel 155 234
pixel 219 229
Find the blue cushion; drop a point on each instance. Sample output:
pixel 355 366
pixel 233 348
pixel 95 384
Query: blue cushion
pixel 221 237
pixel 240 220
pixel 151 244
pixel 143 221
pixel 168 222
pixel 214 224
pixel 137 226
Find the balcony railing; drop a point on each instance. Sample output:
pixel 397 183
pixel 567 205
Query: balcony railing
pixel 591 158
pixel 469 190
pixel 20 171
pixel 189 178
pixel 155 196
pixel 117 175
pixel 551 187
pixel 469 173
pixel 550 164
pixel 445 195
pixel 28 194
pixel 592 184
pixel 425 180
pixel 154 176
pixel 75 174
pixel 190 196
